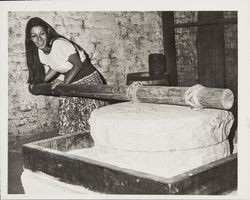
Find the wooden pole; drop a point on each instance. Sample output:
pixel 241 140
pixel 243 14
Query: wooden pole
pixel 200 97
pixel 169 46
pixel 211 51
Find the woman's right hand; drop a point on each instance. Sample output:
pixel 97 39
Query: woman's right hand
pixel 56 83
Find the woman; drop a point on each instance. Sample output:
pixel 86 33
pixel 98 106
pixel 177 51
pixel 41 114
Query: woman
pixel 69 63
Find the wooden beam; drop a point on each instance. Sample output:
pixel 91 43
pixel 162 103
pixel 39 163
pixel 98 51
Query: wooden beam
pixel 169 46
pixel 225 21
pixel 206 97
pixel 211 51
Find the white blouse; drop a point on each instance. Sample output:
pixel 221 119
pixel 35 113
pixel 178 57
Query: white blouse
pixel 58 57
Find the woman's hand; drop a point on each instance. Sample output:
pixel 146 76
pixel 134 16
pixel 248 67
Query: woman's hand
pixel 56 83
pixel 50 74
pixel 30 86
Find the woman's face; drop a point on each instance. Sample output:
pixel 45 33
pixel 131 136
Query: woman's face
pixel 39 36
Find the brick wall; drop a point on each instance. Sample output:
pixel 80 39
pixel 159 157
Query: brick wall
pixel 117 42
pixel 186 52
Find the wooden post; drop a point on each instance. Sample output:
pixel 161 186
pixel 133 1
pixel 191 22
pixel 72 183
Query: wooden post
pixel 211 51
pixel 204 97
pixel 169 45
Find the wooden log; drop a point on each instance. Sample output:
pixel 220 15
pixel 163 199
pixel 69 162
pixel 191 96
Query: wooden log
pixel 200 97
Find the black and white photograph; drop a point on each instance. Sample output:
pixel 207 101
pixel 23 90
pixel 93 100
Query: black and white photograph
pixel 124 103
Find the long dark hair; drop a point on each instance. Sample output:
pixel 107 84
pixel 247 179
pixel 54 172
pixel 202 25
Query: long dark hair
pixel 35 67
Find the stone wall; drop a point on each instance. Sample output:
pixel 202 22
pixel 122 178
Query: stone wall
pixel 186 52
pixel 117 43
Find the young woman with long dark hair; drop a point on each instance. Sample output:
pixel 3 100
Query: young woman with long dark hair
pixel 53 58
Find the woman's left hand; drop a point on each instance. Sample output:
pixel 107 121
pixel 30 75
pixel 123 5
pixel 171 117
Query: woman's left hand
pixel 56 83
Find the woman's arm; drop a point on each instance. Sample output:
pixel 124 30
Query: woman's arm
pixel 50 74
pixel 77 64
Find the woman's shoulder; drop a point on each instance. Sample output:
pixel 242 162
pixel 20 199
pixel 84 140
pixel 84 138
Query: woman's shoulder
pixel 62 46
pixel 61 42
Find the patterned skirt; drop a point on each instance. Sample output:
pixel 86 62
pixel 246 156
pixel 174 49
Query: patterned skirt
pixel 74 112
